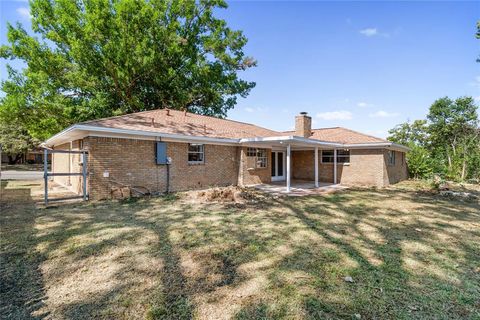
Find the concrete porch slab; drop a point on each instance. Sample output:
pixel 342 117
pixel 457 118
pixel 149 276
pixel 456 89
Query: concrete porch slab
pixel 299 188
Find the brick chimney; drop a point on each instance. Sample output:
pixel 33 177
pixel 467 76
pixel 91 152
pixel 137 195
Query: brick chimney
pixel 303 125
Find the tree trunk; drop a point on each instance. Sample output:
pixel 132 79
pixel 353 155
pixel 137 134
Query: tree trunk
pixel 12 160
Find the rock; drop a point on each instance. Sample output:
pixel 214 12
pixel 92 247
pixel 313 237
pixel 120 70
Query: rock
pixel 464 195
pixel 348 279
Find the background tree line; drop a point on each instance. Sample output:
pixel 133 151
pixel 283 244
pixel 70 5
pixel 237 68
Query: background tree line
pixel 446 143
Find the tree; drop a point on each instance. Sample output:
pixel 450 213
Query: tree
pixel 15 141
pixel 447 144
pixel 454 134
pixel 415 136
pixel 410 133
pixel 91 59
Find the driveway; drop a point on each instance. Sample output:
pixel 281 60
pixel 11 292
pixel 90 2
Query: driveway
pixel 21 175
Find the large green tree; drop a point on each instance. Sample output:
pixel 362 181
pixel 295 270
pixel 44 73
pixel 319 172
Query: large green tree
pixel 454 135
pixel 96 58
pixel 447 143
pixel 409 133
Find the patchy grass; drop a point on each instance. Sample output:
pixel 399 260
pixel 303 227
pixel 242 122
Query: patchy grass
pixel 410 253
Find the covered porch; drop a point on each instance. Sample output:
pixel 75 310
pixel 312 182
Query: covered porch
pixel 282 178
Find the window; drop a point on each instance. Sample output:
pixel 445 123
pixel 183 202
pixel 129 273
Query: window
pixel 261 160
pixel 391 157
pixel 196 153
pixel 343 156
pixel 251 152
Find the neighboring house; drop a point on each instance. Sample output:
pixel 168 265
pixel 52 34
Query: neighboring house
pixel 173 150
pixel 34 156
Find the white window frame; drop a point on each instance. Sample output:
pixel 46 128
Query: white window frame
pixel 202 152
pixel 261 160
pixel 338 157
pixel 251 152
pixel 391 157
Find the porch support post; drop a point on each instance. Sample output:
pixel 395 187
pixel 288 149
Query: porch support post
pixel 288 167
pixel 316 167
pixel 334 166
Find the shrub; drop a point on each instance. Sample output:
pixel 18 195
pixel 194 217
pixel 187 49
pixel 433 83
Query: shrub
pixel 420 164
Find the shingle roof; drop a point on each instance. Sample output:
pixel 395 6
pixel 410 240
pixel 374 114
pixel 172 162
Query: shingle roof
pixel 191 124
pixel 341 135
pixel 184 123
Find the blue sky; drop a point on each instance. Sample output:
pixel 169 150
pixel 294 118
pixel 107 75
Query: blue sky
pixel 362 65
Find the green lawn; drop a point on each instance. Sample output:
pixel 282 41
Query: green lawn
pixel 410 253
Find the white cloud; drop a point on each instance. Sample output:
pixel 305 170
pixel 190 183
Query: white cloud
pixel 477 99
pixel 363 104
pixel 369 32
pixel 383 114
pixel 335 115
pixel 248 109
pixel 24 12
pixel 373 32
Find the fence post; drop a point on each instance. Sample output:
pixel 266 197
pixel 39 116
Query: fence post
pixel 84 171
pixel 45 173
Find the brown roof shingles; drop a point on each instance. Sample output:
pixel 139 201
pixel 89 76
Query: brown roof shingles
pixel 183 123
pixel 190 124
pixel 341 135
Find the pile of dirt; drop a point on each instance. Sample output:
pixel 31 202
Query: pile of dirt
pixel 232 194
pixel 228 194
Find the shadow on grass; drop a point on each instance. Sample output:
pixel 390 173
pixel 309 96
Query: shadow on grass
pixel 21 284
pixel 219 240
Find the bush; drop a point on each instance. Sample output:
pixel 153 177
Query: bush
pixel 420 164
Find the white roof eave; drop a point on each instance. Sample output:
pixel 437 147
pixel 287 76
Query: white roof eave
pixel 79 131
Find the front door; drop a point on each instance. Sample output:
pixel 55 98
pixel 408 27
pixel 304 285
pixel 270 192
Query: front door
pixel 278 165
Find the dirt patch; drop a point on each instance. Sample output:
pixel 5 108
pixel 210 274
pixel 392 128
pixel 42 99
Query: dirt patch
pixel 233 195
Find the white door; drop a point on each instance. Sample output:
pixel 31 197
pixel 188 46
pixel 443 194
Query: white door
pixel 278 165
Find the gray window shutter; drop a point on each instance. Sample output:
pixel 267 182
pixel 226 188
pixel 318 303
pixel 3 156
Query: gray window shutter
pixel 161 152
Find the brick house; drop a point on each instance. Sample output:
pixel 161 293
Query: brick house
pixel 174 150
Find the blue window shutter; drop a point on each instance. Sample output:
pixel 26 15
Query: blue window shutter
pixel 161 153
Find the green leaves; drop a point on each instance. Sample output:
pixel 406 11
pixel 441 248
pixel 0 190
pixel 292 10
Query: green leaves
pixel 99 58
pixel 447 144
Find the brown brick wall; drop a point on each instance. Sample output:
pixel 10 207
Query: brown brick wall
pixel 397 172
pixel 132 162
pixel 366 167
pixel 248 174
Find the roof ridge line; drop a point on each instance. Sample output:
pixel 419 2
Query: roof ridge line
pixel 368 135
pixel 175 110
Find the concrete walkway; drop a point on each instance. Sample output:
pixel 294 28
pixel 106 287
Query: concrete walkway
pixel 299 188
pixel 21 175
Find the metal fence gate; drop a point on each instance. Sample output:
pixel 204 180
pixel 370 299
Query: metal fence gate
pixel 46 174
